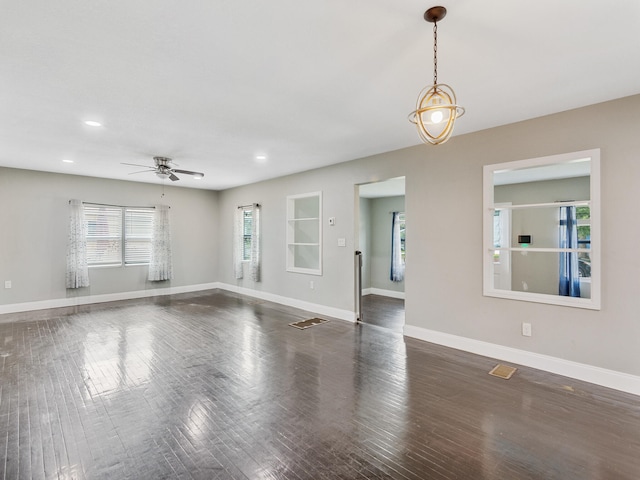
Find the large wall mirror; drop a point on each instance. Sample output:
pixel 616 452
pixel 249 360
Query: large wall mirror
pixel 542 230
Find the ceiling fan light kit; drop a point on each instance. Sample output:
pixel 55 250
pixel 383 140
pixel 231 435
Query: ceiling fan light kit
pixel 163 169
pixel 436 109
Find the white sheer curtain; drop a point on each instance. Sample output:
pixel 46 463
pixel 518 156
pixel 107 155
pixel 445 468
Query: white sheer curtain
pixel 160 267
pixel 254 261
pixel 77 271
pixel 397 265
pixel 238 242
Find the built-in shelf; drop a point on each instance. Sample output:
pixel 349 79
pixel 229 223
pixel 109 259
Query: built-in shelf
pixel 304 233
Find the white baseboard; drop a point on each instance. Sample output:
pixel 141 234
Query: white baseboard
pixel 107 297
pixel 112 297
pixel 580 371
pixel 384 293
pixel 347 315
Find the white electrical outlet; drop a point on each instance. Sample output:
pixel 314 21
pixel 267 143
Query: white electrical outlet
pixel 526 329
pixel 7 284
pixel 311 285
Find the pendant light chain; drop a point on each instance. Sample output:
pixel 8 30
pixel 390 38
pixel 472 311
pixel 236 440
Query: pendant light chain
pixel 436 108
pixel 435 53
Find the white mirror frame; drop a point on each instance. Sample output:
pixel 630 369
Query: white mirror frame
pixel 488 209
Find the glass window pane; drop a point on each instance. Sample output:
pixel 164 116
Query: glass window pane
pixel 246 227
pixel 137 236
pixel 104 235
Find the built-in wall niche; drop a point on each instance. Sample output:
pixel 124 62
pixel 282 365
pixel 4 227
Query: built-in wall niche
pixel 541 230
pixel 304 233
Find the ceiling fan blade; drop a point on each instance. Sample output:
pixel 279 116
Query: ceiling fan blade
pixel 188 172
pixel 173 178
pixel 143 171
pixel 136 165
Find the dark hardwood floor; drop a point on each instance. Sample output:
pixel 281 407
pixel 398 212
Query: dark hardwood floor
pixel 213 385
pixel 385 312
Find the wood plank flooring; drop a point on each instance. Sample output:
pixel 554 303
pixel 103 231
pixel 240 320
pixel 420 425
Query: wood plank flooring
pixel 385 312
pixel 214 385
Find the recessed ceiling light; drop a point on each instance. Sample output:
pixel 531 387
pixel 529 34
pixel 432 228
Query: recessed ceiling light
pixel 92 123
pixel 261 158
pixel 67 160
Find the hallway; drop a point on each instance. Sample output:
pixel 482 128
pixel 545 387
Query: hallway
pixel 383 312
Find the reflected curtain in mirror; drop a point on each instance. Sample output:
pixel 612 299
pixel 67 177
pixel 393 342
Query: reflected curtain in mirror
pixel 569 272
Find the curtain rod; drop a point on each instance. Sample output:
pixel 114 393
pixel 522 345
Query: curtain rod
pixel 111 205
pixel 250 205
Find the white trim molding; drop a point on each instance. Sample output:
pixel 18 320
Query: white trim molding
pixel 339 313
pixel 384 293
pixel 107 297
pixel 579 371
pixel 113 297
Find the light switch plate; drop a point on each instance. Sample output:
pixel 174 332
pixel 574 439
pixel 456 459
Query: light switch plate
pixel 342 242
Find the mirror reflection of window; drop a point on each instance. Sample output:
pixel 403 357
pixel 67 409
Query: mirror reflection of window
pixel 523 200
pixel 583 215
pixel 501 244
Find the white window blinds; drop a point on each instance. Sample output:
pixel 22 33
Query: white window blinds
pixel 246 234
pixel 104 235
pixel 137 235
pixel 118 235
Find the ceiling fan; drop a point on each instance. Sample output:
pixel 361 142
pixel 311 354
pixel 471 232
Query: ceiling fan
pixel 163 169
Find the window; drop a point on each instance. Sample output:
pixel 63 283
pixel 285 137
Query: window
pixel 246 241
pixel 583 216
pixel 118 235
pixel 246 234
pixel 137 235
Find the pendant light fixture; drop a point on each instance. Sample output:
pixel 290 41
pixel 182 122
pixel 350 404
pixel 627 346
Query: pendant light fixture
pixel 436 110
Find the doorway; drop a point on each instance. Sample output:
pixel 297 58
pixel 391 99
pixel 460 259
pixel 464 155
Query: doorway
pixel 380 236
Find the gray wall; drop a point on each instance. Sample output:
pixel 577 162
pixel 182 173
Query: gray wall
pixel 380 256
pixel 335 288
pixel 443 284
pixel 35 217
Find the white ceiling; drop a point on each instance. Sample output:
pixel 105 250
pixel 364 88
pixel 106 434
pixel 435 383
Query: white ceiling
pixel 213 84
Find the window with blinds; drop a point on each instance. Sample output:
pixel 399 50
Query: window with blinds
pixel 246 234
pixel 118 235
pixel 137 236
